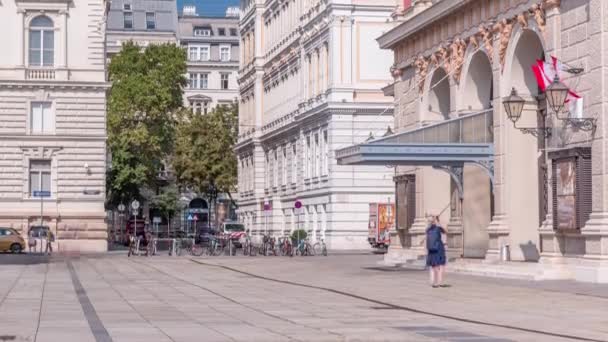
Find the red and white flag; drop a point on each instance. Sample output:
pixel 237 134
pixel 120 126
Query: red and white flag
pixel 545 74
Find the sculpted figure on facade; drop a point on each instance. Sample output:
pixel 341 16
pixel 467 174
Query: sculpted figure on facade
pixel 505 27
pixel 522 19
pixel 422 65
pixel 443 57
pixel 458 48
pixel 487 35
pixel 539 16
pixel 473 41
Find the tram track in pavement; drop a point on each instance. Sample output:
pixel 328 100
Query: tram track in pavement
pixel 387 305
pixel 231 300
pixel 46 272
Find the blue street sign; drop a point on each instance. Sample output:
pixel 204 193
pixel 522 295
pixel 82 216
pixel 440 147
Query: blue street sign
pixel 42 194
pixel 190 218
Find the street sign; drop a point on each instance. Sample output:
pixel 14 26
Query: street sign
pixel 42 194
pixel 190 218
pixel 135 205
pixel 121 207
pixel 298 204
pixel 156 219
pixel 195 218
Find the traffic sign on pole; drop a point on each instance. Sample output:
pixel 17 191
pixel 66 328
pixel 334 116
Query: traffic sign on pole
pixel 42 194
pixel 135 205
pixel 190 218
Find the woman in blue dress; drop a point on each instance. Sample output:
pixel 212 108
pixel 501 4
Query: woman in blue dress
pixel 436 257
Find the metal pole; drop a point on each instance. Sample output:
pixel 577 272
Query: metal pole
pixel 41 208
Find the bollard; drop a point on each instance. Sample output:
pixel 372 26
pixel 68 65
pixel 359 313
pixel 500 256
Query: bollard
pixel 505 253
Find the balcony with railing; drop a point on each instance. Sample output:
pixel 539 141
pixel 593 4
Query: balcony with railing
pixel 40 74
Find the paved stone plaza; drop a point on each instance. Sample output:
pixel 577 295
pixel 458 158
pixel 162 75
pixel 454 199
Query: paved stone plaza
pixel 337 298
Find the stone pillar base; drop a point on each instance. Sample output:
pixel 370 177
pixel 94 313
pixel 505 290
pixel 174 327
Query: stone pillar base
pixel 498 232
pixel 454 237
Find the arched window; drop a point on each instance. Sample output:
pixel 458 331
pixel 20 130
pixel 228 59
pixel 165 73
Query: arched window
pixel 42 42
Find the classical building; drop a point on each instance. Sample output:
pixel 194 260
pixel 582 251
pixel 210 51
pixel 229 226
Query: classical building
pixel 212 45
pixel 514 172
pixel 310 83
pixel 141 21
pixel 52 121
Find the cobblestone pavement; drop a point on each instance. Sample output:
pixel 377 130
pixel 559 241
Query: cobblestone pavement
pixel 335 298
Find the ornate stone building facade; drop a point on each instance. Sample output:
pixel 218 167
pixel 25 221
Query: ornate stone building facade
pixel 310 81
pixel 52 120
pixel 534 185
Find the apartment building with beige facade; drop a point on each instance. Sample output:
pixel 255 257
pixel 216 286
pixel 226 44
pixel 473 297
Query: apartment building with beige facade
pixel 516 172
pixel 212 45
pixel 310 82
pixel 52 120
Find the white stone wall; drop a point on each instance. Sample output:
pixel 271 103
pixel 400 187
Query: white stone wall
pixel 319 82
pixel 76 89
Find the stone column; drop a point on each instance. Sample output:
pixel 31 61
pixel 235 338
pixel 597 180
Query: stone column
pixel 21 38
pixel 63 61
pixel 596 229
pixel 549 244
pixel 498 230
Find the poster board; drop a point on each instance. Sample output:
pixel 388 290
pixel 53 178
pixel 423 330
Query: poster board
pixel 566 193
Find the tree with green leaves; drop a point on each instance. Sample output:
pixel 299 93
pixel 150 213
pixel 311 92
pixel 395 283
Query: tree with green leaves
pixel 167 202
pixel 204 159
pixel 144 105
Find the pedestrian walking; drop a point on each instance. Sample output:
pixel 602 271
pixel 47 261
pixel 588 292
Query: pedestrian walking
pixel 49 246
pixel 436 257
pixel 131 244
pixel 31 241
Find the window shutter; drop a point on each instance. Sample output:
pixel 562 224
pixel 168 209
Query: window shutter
pixel 411 200
pixel 584 187
pixel 554 193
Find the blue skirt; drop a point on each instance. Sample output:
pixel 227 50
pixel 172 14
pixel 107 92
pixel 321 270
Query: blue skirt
pixel 436 259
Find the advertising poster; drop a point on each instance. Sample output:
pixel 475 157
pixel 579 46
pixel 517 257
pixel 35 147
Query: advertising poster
pixel 386 219
pixel 566 194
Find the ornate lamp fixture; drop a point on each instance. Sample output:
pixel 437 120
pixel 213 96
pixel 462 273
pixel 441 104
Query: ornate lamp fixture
pixel 557 94
pixel 514 106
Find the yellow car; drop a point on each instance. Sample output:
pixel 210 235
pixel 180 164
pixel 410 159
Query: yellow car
pixel 11 241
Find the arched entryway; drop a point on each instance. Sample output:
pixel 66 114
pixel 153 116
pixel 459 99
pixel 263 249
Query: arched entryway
pixel 476 210
pixel 439 96
pixel 478 85
pixel 197 215
pixel 523 157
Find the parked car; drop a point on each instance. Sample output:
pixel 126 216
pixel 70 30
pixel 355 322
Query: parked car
pixel 204 234
pixel 231 227
pixel 10 240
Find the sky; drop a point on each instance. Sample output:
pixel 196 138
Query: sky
pixel 208 7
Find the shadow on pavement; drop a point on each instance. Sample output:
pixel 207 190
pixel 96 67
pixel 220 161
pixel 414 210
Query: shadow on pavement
pixel 24 259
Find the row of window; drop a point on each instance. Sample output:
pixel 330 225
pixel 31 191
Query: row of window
pixel 206 32
pixel 128 20
pixel 281 167
pixel 201 81
pixel 203 53
pixel 316 155
pixel 317 63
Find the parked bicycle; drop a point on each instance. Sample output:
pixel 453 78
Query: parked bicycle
pixel 285 246
pixel 320 248
pixel 305 248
